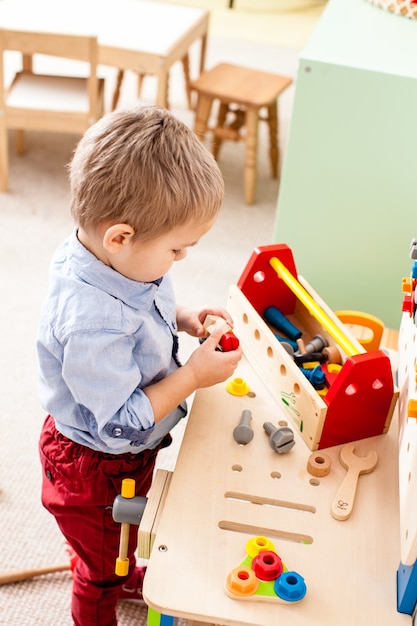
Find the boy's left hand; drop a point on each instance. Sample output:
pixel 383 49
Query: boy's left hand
pixel 191 320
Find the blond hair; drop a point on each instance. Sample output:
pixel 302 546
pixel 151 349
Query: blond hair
pixel 146 168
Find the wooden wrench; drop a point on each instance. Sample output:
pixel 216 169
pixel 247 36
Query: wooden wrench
pixel 343 503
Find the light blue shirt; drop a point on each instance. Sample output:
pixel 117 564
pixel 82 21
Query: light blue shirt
pixel 102 339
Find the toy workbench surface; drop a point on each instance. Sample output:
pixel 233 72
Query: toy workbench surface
pixel 224 494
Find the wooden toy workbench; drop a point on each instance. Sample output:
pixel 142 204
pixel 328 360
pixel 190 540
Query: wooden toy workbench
pixel 349 566
pixel 223 494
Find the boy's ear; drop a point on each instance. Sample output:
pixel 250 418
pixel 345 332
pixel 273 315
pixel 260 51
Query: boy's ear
pixel 117 236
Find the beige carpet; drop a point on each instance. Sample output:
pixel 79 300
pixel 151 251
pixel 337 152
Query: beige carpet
pixel 34 219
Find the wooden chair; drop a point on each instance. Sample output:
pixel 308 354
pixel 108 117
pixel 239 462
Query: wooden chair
pixel 50 103
pixel 243 94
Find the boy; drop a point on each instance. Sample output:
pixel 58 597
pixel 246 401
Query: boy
pixel 143 189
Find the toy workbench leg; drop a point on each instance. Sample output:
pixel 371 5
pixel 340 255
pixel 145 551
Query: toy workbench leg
pixel 157 619
pixel 407 588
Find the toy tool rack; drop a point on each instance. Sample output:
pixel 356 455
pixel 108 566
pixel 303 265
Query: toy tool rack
pixel 357 402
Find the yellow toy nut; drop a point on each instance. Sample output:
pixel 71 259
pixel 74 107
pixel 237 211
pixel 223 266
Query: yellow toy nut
pixel 237 387
pixel 255 545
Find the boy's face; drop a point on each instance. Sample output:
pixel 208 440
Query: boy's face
pixel 145 261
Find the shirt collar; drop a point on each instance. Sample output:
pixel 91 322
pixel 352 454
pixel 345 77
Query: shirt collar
pixel 96 273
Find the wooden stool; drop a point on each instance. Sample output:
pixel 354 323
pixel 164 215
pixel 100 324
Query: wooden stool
pixel 242 93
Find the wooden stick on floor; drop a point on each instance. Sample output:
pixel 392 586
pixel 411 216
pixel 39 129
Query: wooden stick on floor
pixel 20 575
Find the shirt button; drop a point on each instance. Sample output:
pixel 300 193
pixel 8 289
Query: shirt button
pixel 48 475
pixel 117 432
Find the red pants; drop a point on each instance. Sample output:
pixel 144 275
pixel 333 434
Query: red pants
pixel 79 487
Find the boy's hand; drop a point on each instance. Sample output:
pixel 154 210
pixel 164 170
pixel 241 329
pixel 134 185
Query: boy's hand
pixel 191 321
pixel 228 340
pixel 205 367
pixel 208 366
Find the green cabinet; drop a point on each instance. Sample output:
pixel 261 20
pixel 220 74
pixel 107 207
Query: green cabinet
pixel 347 204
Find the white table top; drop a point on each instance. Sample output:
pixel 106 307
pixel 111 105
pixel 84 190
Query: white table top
pixel 139 25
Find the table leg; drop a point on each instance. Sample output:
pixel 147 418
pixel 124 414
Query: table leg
pixel 203 51
pixel 141 78
pixel 250 154
pixel 186 67
pixel 162 95
pixel 27 64
pixel 4 156
pixel 20 141
pixel 116 92
pixel 273 137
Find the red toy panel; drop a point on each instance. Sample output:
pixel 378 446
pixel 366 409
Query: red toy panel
pixel 260 283
pixel 359 399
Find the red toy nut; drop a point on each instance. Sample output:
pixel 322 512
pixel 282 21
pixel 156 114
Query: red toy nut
pixel 267 565
pixel 229 342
